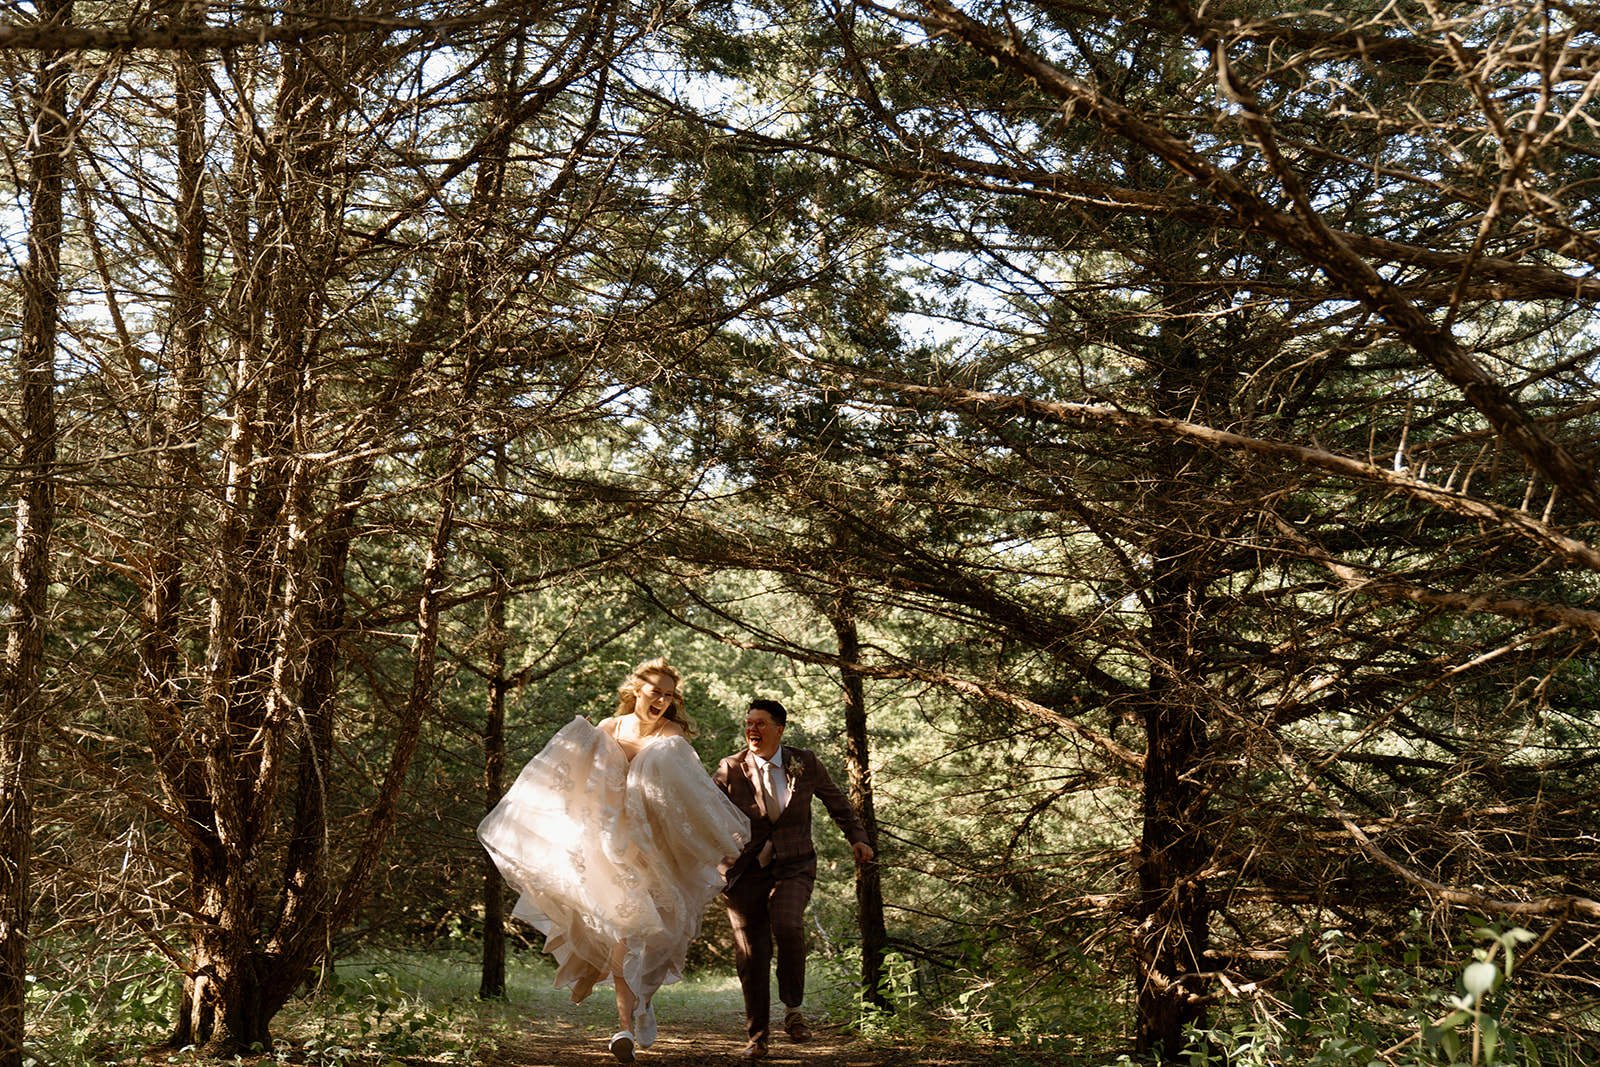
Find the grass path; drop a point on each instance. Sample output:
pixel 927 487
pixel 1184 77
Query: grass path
pixel 404 1009
pixel 421 1009
pixel 705 1026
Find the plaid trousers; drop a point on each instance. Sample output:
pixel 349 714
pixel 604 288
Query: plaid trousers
pixel 767 913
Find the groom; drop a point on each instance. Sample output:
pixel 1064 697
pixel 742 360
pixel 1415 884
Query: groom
pixel 769 884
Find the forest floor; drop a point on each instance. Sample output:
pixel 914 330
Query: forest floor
pixel 559 1044
pixel 421 1010
pixel 572 1043
pixel 555 1044
pixel 702 1022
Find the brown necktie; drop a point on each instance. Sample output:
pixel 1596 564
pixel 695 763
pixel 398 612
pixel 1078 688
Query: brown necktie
pixel 767 801
pixel 769 793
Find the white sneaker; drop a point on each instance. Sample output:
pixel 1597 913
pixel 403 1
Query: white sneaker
pixel 622 1046
pixel 645 1025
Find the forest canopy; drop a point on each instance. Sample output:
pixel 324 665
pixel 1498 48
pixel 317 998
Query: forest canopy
pixel 1152 447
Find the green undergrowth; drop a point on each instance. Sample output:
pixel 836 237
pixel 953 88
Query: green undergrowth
pixel 381 1007
pixel 396 1007
pixel 1336 1006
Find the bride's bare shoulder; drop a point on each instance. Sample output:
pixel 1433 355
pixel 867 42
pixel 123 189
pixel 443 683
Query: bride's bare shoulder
pixel 608 726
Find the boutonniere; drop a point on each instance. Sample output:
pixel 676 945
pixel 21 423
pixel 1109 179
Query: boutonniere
pixel 791 770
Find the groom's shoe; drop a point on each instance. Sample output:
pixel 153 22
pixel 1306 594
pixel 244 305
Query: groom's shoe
pixel 622 1046
pixel 755 1050
pixel 795 1023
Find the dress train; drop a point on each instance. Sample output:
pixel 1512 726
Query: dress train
pixel 607 852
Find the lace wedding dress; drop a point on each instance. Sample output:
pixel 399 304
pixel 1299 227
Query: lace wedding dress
pixel 604 851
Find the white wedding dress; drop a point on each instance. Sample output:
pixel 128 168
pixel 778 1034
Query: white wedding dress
pixel 605 851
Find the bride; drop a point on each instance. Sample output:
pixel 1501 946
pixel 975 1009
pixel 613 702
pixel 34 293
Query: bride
pixel 613 835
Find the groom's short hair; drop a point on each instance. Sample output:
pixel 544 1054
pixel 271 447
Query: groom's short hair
pixel 779 714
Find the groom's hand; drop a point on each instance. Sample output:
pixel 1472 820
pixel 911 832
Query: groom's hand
pixel 862 850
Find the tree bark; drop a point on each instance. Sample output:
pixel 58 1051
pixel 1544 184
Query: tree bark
pixel 21 687
pixel 858 765
pixel 255 638
pixel 313 907
pixel 174 440
pixel 1174 910
pixel 1173 905
pixel 493 982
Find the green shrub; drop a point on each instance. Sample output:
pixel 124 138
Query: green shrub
pixel 1359 1008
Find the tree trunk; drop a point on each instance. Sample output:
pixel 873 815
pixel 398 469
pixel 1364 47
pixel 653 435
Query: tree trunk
pixel 869 887
pixel 312 906
pixel 224 1008
pixel 1174 909
pixel 21 690
pixel 493 983
pixel 174 440
pixel 307 896
pixel 255 636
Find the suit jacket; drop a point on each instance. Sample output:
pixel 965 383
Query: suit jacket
pixel 795 855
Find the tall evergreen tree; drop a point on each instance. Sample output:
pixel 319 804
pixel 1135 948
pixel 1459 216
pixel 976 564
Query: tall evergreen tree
pixel 24 694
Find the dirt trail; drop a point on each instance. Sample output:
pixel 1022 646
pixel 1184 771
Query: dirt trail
pixel 555 1043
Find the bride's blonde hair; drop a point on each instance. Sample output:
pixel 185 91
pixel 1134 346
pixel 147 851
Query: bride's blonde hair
pixel 628 693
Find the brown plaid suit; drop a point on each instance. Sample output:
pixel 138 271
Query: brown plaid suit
pixel 766 905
